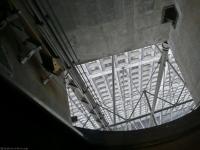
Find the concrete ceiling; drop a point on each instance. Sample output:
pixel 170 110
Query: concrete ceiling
pixel 99 28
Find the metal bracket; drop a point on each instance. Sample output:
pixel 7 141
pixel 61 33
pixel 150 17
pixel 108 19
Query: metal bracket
pixel 49 77
pixel 31 49
pixel 9 19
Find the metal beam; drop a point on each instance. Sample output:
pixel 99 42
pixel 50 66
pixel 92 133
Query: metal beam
pixel 135 107
pixel 175 71
pixel 64 52
pixel 113 82
pixel 180 94
pixel 156 58
pixel 94 85
pixel 145 94
pixel 129 81
pixel 123 94
pixel 91 106
pixel 160 98
pixel 157 111
pixel 141 123
pixel 123 97
pixel 107 86
pixel 163 92
pixel 81 111
pixel 131 91
pixel 152 73
pixel 112 112
pixel 121 90
pixel 159 79
pixel 118 82
pixel 140 74
pixel 88 118
pixel 158 48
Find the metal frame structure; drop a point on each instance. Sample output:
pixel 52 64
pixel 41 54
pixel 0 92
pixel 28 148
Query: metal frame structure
pixel 137 89
pixel 114 92
pixel 58 43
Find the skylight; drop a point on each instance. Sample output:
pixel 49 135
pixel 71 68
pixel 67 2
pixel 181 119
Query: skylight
pixel 135 75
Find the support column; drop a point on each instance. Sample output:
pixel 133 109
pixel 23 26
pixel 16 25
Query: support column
pixel 184 41
pixel 159 79
pixel 113 81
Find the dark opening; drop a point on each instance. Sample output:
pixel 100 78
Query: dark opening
pixel 74 119
pixel 170 14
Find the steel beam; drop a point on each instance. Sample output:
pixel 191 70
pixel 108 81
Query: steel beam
pixel 107 86
pixel 135 106
pixel 141 123
pixel 121 90
pixel 82 112
pixel 149 105
pixel 152 73
pixel 159 79
pixel 113 82
pixel 157 111
pixel 123 94
pixel 140 74
pixel 112 112
pixel 131 89
pixel 64 51
pixel 118 82
pixel 160 98
pixel 88 118
pixel 156 58
pixel 91 106
pixel 94 86
pixel 180 94
pixel 176 71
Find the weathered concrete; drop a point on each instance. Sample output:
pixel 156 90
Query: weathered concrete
pixel 185 43
pixel 180 131
pixel 34 128
pixel 99 28
pixel 28 77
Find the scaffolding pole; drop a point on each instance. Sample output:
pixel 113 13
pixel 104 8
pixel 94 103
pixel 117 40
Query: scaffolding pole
pixel 159 79
pixel 113 81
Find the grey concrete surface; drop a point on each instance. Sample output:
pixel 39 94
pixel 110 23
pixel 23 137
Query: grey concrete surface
pixel 29 76
pixel 171 135
pixel 185 43
pixel 99 28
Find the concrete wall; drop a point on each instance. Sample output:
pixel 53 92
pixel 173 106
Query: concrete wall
pixel 182 133
pixel 185 43
pixel 28 77
pixel 102 28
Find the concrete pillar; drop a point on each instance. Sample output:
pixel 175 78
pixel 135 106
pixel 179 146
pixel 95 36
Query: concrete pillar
pixel 185 43
pixel 28 77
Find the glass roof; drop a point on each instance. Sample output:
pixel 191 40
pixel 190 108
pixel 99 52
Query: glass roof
pixel 135 80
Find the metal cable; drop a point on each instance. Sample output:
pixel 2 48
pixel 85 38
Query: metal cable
pixel 66 48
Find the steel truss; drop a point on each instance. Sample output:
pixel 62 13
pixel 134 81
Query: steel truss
pixel 139 89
